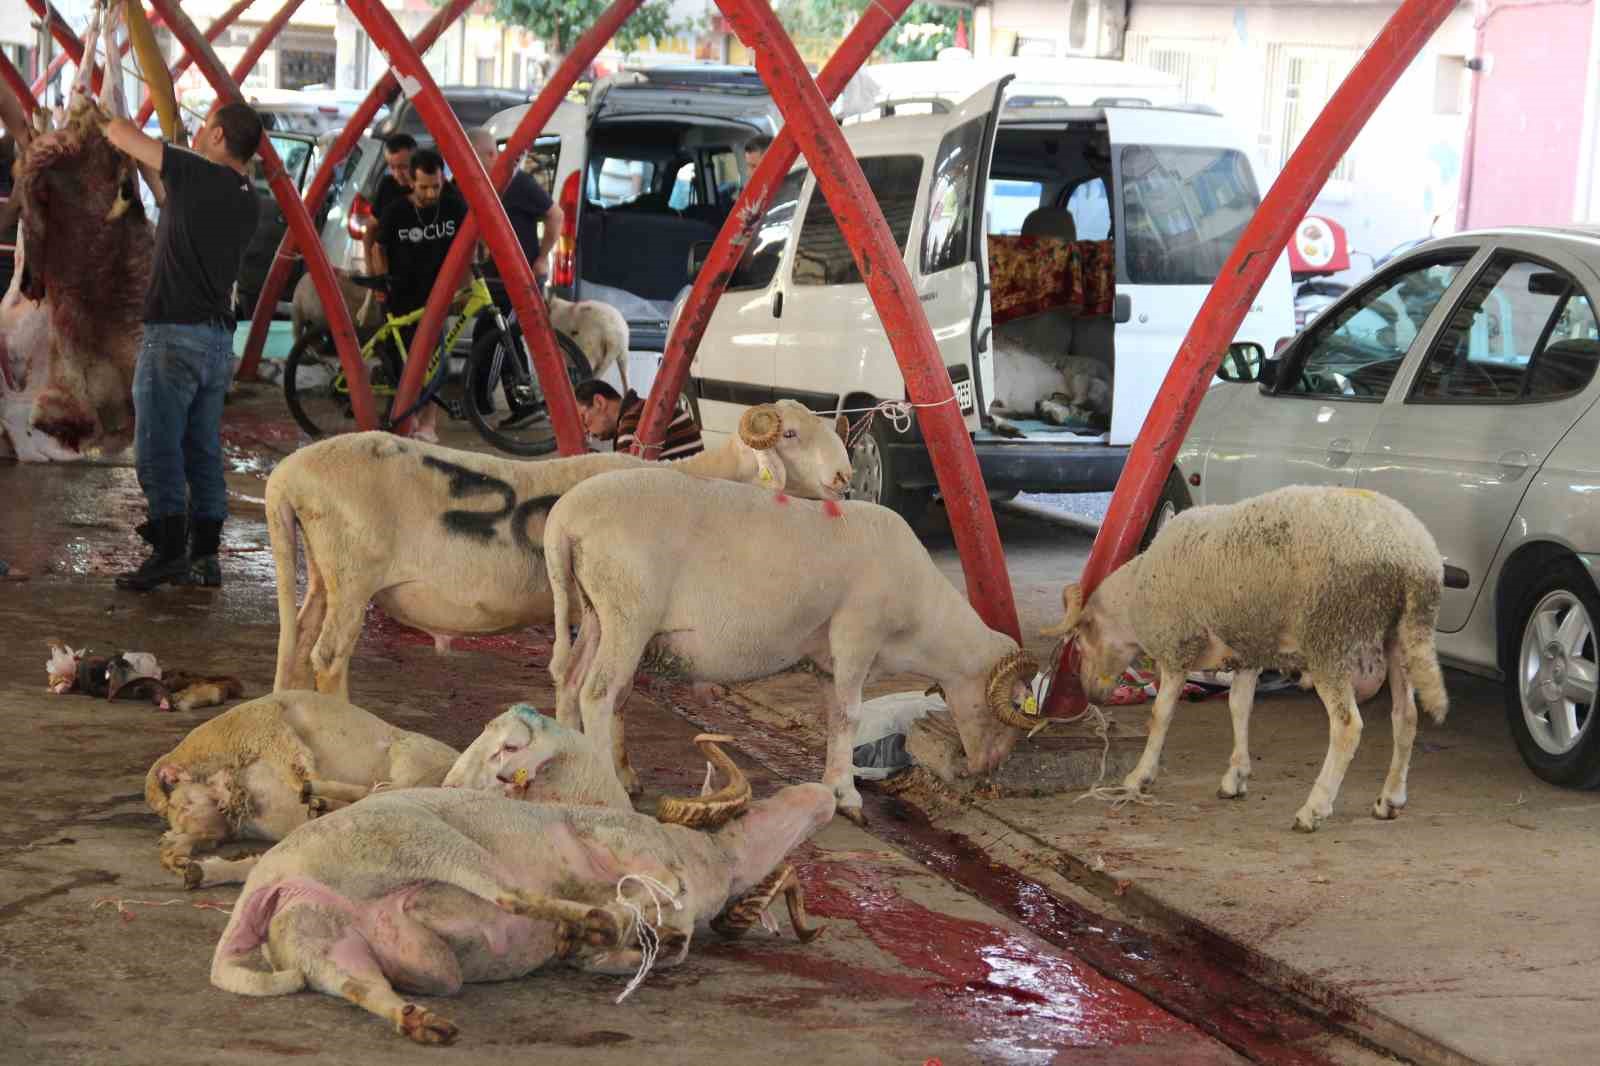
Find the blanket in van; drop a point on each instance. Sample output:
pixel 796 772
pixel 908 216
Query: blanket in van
pixel 1034 274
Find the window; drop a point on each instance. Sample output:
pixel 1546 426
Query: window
pixel 1090 207
pixel 947 237
pixel 1449 85
pixel 760 262
pixel 485 70
pixel 1009 203
pixel 541 161
pixel 1355 351
pixel 1183 210
pixel 614 180
pixel 1302 80
pixel 822 257
pixel 1193 61
pixel 684 191
pixel 1523 331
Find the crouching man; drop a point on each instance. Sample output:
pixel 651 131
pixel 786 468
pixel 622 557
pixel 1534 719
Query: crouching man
pixel 186 357
pixel 608 416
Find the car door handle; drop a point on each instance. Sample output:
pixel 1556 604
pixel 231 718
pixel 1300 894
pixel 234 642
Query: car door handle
pixel 1514 464
pixel 1339 451
pixel 777 304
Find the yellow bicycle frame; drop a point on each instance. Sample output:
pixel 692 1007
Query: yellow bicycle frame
pixel 478 301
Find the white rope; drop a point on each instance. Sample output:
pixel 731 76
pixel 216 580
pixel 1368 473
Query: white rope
pixel 649 939
pixel 898 412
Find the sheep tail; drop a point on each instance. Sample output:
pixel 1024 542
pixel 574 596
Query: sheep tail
pixel 563 582
pixel 1420 655
pixel 281 532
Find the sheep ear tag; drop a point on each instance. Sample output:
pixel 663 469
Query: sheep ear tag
pixel 770 472
pixel 520 778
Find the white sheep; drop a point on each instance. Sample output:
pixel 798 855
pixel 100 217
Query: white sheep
pixel 450 542
pixel 599 329
pixel 730 583
pixel 246 774
pixel 305 306
pixel 1059 389
pixel 1304 578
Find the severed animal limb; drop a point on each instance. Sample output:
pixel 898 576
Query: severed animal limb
pixel 737 918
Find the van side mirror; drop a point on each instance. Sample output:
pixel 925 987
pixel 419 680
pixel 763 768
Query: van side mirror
pixel 699 251
pixel 1242 362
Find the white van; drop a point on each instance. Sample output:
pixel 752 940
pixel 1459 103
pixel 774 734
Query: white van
pixel 1157 196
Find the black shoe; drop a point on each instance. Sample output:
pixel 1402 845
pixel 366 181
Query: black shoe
pixel 205 570
pixel 168 562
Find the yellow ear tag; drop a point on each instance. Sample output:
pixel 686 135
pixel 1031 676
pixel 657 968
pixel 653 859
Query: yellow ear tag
pixel 520 778
pixel 1030 705
pixel 766 475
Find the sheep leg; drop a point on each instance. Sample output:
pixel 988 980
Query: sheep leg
pixel 844 712
pixel 1404 715
pixel 1344 733
pixel 338 791
pixel 1241 697
pixel 619 751
pixel 215 870
pixel 330 657
pixel 577 666
pixel 1160 718
pixel 605 686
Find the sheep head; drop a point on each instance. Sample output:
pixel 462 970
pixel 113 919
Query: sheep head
pixel 1010 694
pixel 531 757
pixel 1102 627
pixel 797 450
pixel 711 809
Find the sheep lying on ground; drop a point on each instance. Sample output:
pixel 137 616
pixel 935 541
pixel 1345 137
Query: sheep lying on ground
pixel 244 775
pixel 450 542
pixel 731 583
pixel 470 886
pixel 1303 578
pixel 599 329
pixel 1029 382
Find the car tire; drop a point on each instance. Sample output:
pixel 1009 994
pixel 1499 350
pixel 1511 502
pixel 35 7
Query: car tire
pixel 873 476
pixel 1174 499
pixel 1554 655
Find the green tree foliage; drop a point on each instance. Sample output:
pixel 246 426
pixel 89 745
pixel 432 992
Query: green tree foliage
pixel 561 22
pixel 921 32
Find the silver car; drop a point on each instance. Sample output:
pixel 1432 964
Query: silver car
pixel 1459 379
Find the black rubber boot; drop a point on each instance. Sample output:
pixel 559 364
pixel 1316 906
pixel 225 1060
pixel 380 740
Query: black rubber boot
pixel 168 562
pixel 205 569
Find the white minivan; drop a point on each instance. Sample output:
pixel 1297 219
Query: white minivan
pixel 1156 195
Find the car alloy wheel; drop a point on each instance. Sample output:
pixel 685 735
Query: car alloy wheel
pixel 1558 672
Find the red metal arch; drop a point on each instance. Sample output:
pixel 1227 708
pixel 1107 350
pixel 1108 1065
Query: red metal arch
pixel 484 203
pixel 1263 240
pixel 380 95
pixel 740 226
pixel 18 85
pixel 288 197
pixel 213 31
pixel 547 356
pixel 64 36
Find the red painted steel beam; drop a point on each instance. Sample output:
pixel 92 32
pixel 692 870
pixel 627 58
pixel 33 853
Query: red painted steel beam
pixel 739 228
pixel 43 81
pixel 64 35
pixel 878 258
pixel 213 31
pixel 1263 240
pixel 455 267
pixel 18 85
pixel 294 212
pixel 380 94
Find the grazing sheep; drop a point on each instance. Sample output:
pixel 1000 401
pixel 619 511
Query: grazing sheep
pixel 1304 578
pixel 450 542
pixel 599 329
pixel 729 583
pixel 245 775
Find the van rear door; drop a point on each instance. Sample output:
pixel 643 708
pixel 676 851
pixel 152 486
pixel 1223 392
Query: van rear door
pixel 1183 190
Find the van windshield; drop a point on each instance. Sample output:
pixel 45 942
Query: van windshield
pixel 1182 211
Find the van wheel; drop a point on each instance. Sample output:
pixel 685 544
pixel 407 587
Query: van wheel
pixel 1551 684
pixel 873 476
pixel 1174 498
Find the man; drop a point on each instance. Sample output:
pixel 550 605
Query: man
pixel 414 236
pixel 186 356
pixel 395 185
pixel 754 149
pixel 526 206
pixel 607 416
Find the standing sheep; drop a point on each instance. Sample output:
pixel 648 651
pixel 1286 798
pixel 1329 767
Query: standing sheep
pixel 599 329
pixel 1303 578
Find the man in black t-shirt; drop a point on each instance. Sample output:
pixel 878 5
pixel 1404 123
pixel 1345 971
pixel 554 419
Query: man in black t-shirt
pixel 527 205
pixel 414 236
pixel 395 185
pixel 186 355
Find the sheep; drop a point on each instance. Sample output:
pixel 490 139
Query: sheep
pixel 246 774
pixel 449 542
pixel 1305 578
pixel 305 306
pixel 531 757
pixel 1058 389
pixel 732 583
pixel 599 329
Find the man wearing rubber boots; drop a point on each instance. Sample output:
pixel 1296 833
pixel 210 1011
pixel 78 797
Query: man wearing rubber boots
pixel 186 357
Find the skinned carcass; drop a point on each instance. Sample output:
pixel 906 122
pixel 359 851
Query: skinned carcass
pixel 470 886
pixel 71 322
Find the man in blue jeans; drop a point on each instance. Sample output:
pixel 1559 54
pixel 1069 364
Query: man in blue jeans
pixel 186 357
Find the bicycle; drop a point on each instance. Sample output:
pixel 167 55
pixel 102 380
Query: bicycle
pixel 500 366
pixel 318 394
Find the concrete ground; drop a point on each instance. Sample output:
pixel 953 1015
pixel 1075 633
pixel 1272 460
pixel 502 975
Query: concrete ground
pixel 1002 928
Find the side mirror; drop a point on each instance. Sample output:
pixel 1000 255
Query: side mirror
pixel 698 253
pixel 1242 362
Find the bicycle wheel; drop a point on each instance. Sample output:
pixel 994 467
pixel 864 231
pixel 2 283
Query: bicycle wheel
pixel 503 399
pixel 315 389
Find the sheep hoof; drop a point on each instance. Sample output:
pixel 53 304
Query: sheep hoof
pixel 1306 822
pixel 1223 793
pixel 630 782
pixel 854 814
pixel 425 1027
pixel 1386 810
pixel 193 876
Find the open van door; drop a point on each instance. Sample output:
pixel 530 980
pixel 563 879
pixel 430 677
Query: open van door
pixel 951 262
pixel 1182 191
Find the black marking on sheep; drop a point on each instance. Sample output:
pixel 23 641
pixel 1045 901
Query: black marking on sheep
pixel 464 483
pixel 519 522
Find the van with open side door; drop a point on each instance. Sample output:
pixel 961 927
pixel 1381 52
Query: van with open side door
pixel 1144 202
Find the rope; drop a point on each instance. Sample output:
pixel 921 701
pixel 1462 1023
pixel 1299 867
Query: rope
pixel 649 939
pixel 898 412
pixel 127 915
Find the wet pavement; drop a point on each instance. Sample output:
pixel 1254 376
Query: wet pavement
pixel 932 949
